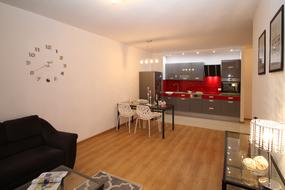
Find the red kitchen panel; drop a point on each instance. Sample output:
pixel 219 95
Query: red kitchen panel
pixel 209 85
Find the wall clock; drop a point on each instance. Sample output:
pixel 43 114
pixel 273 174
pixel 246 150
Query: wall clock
pixel 46 64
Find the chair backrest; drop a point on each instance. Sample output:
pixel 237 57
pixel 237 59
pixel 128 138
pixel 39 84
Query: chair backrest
pixel 144 112
pixel 125 110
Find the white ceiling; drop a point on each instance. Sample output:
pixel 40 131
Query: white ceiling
pixel 173 25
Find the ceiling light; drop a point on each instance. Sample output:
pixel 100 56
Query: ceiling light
pixel 197 52
pixel 214 51
pixel 231 50
pixel 183 53
pixel 149 59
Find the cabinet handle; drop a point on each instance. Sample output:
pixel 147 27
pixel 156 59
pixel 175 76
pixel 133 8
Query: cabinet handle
pixel 197 78
pixel 211 100
pixel 230 102
pixel 183 95
pixel 230 98
pixel 211 108
pixel 211 96
pixel 182 99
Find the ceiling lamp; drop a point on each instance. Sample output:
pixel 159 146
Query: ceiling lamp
pixel 149 60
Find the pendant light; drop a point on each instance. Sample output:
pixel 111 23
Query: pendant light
pixel 150 60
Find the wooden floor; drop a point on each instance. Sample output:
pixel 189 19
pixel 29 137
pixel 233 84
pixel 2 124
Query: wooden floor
pixel 189 158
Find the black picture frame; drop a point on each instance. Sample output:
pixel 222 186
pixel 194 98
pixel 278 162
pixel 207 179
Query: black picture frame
pixel 262 53
pixel 276 45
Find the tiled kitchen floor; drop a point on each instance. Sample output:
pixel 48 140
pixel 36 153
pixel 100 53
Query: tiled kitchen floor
pixel 210 123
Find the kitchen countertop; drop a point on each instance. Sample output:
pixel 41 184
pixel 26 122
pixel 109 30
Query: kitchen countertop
pixel 205 95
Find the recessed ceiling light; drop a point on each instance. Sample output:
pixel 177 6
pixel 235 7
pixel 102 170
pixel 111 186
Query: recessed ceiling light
pixel 231 50
pixel 183 53
pixel 213 51
pixel 197 52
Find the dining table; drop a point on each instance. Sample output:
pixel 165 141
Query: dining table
pixel 155 108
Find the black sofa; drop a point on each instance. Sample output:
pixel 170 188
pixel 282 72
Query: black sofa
pixel 30 146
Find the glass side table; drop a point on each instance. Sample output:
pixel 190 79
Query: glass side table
pixel 235 176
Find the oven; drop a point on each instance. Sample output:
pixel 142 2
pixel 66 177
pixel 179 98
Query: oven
pixel 232 87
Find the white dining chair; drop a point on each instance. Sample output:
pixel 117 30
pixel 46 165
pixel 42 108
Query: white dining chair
pixel 126 111
pixel 144 113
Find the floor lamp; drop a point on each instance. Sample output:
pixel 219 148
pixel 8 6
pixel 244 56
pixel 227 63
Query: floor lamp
pixel 270 137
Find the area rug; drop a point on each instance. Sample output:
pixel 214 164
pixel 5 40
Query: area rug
pixel 111 182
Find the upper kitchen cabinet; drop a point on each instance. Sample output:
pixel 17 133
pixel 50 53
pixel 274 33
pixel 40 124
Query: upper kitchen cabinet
pixel 231 70
pixel 212 70
pixel 197 71
pixel 184 71
pixel 171 72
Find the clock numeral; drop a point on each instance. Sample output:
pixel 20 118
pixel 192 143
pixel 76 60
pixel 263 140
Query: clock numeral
pixel 32 72
pixel 49 62
pixel 64 65
pixel 38 78
pixel 48 80
pixel 28 62
pixel 48 46
pixel 56 51
pixel 62 73
pixel 32 54
pixel 61 57
pixel 55 78
pixel 37 49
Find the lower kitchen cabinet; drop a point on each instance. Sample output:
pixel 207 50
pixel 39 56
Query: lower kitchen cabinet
pixel 212 107
pixel 195 105
pixel 182 104
pixel 231 108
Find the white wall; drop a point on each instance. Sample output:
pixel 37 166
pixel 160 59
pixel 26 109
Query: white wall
pixel 268 90
pixel 100 73
pixel 247 81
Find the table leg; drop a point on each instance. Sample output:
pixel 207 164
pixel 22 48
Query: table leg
pixel 118 119
pixel 172 118
pixel 132 119
pixel 162 125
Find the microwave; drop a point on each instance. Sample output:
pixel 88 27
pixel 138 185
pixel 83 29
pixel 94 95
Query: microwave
pixel 232 87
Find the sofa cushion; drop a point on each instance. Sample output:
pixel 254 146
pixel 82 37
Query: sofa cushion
pixel 20 168
pixel 22 128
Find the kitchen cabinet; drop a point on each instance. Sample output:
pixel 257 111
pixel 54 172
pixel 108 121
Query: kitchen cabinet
pixel 171 72
pixel 184 71
pixel 197 71
pixel 212 70
pixel 182 104
pixel 195 105
pixel 231 108
pixel 231 70
pixel 212 107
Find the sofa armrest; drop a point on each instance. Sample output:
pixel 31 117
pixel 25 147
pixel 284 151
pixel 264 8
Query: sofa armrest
pixel 64 141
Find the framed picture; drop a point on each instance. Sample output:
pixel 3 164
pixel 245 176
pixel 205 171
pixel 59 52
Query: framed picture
pixel 276 57
pixel 262 53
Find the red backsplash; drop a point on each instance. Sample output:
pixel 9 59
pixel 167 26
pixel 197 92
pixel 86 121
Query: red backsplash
pixel 210 85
